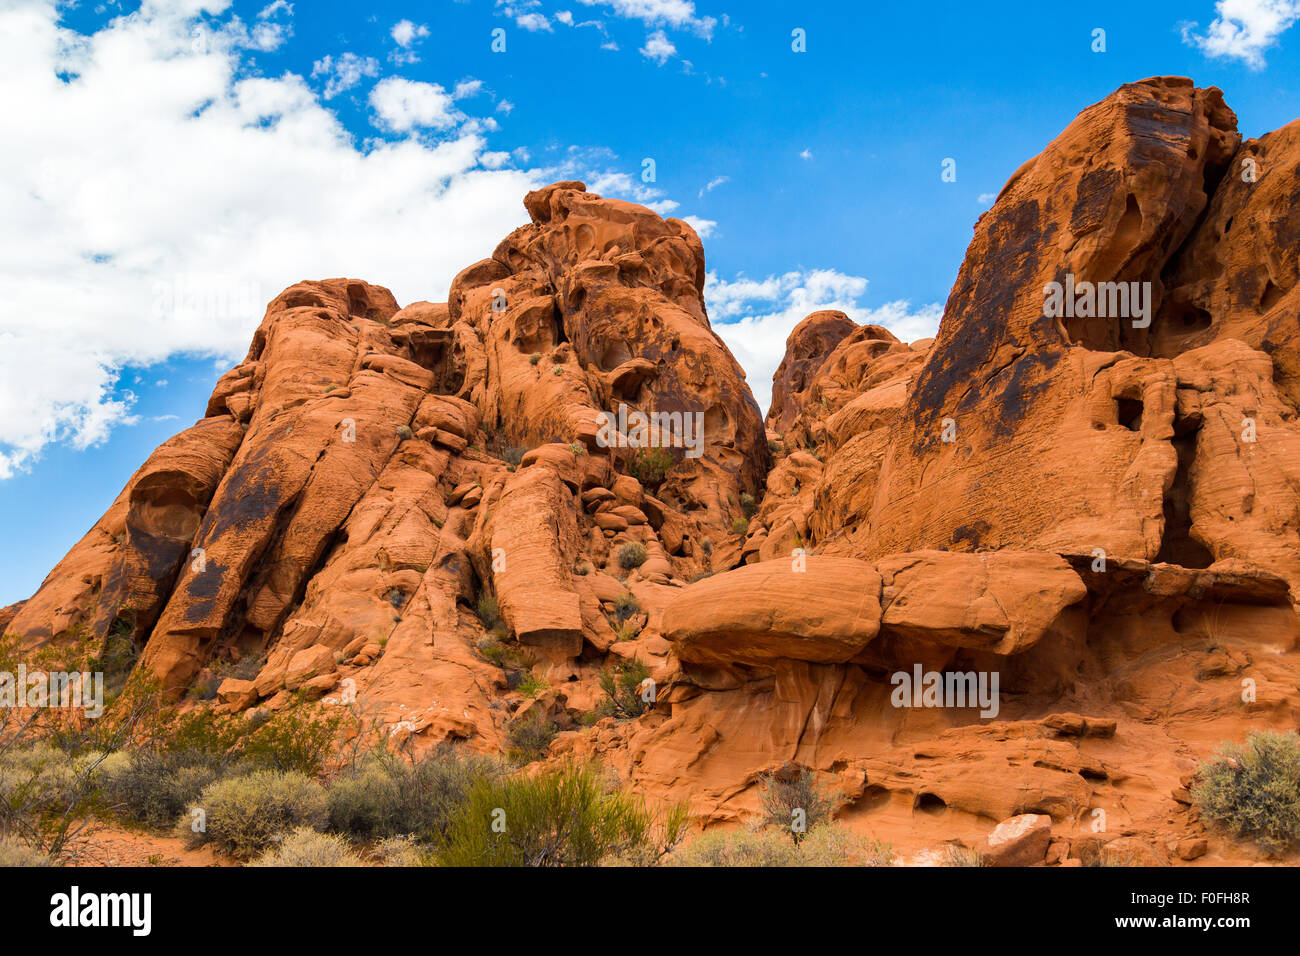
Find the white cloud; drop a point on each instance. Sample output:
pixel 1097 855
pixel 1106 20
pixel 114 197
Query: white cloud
pixel 678 14
pixel 806 154
pixel 703 227
pixel 467 88
pixel 755 316
pixel 407 35
pixel 125 250
pixel 713 184
pixel 565 17
pixel 986 199
pixel 658 47
pixel 344 73
pixel 1244 29
pixel 402 105
pixel 505 106
pixel 533 22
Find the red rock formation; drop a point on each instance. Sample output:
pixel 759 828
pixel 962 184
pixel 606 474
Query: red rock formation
pixel 1098 514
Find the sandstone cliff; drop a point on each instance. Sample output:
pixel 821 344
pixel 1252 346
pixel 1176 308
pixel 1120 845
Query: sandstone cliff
pixel 1101 509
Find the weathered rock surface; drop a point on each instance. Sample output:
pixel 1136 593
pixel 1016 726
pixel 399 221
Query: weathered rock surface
pixel 1092 518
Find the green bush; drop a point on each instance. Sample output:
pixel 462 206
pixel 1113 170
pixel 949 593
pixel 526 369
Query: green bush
pixel 387 796
pixel 626 605
pixel 622 688
pixel 740 526
pixel 747 504
pixel 534 358
pixel 560 817
pixel 529 738
pixel 296 739
pixel 156 788
pixel 1253 790
pixel 245 814
pixel 404 432
pixel 792 801
pixel 650 466
pixel 631 555
pixel 306 847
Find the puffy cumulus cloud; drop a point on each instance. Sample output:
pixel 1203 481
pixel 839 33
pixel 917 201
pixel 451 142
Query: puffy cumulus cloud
pixel 1244 29
pixel 403 105
pixel 344 72
pixel 407 35
pixel 678 14
pixel 526 15
pixel 658 48
pixel 755 316
pixel 162 196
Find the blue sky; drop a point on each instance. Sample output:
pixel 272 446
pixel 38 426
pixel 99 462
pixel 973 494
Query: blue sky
pixel 234 148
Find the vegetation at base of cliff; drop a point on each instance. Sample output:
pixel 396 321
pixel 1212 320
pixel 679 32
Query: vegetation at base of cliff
pixel 559 817
pixel 793 802
pixel 1252 790
pixel 825 845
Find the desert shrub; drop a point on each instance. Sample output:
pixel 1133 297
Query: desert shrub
pixel 404 432
pixel 626 605
pixel 626 630
pixel 560 817
pixel 631 555
pixel 622 687
pixel 826 845
pixel 831 845
pixel 1253 790
pixel 490 647
pixel 245 814
pixel 747 504
pixel 578 449
pixel 366 802
pixel 530 685
pixel 738 848
pixel 388 796
pixel 535 358
pixel 296 739
pixel 650 466
pixel 156 788
pixel 792 801
pixel 489 612
pixel 558 370
pixel 400 851
pixel 305 847
pixel 529 738
pixel 956 855
pixel 740 526
pixel 14 852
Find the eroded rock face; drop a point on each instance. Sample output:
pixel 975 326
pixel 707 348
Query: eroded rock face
pixel 1091 521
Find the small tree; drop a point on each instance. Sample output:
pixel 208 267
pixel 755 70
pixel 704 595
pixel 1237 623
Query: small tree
pixel 792 801
pixel 1253 790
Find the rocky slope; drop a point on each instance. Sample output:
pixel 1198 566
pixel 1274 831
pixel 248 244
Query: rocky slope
pixel 1100 511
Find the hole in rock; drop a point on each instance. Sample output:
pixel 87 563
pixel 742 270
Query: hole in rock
pixel 1093 776
pixel 1177 546
pixel 1128 412
pixel 930 803
pixel 1271 296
